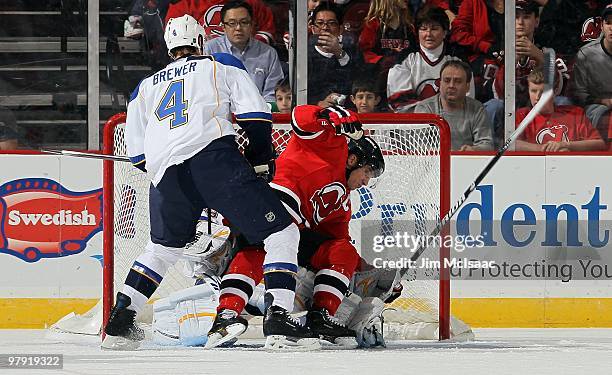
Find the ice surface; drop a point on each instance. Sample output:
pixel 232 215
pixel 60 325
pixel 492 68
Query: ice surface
pixel 496 351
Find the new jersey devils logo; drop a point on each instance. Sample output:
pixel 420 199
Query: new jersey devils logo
pixel 328 199
pixel 428 88
pixel 556 133
pixel 591 29
pixel 211 20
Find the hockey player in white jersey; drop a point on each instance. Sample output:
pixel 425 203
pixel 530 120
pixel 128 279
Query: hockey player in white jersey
pixel 179 130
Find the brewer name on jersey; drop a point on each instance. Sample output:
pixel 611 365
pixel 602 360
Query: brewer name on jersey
pixel 174 72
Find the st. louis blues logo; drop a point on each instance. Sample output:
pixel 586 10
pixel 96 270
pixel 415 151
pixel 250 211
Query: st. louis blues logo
pixel 42 219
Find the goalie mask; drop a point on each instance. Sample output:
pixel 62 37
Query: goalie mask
pixel 184 31
pixel 368 153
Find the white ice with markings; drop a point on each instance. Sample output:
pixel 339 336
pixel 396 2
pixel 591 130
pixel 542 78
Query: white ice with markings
pixel 495 351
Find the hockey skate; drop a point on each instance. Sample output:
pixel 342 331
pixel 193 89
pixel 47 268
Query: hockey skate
pixel 284 332
pixel 329 329
pixel 227 327
pixel 121 331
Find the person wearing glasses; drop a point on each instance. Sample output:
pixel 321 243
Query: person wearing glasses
pixel 207 12
pixel 259 58
pixel 331 64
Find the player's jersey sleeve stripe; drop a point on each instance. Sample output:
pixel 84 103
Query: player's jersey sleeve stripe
pixel 228 60
pixel 290 200
pixel 254 116
pixel 137 159
pixel 300 132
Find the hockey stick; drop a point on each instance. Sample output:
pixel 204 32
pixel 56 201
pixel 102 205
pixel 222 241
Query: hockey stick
pixel 89 155
pixel 548 69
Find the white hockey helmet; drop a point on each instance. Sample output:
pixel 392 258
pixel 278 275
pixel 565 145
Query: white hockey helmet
pixel 184 31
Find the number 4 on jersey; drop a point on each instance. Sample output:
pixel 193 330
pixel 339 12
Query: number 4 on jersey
pixel 174 105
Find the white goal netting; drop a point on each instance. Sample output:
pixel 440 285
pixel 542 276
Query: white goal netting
pixel 406 199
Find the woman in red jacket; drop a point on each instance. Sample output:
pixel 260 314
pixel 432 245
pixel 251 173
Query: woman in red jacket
pixel 479 28
pixel 451 7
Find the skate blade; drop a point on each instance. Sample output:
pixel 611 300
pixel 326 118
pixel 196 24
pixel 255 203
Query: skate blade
pixel 282 343
pixel 216 339
pixel 119 343
pixel 340 343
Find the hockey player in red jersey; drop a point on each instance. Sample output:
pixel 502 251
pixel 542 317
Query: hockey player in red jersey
pixel 208 13
pixel 315 175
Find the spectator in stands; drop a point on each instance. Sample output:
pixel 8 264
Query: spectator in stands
pixel 365 96
pixel 388 35
pixel 145 23
pixel 417 77
pixel 529 56
pixel 479 28
pixel 9 132
pixel 283 96
pixel 560 26
pixel 592 78
pixel 555 128
pixel 208 13
pixel 259 58
pixel 331 64
pixel 591 28
pixel 469 125
pixel 451 7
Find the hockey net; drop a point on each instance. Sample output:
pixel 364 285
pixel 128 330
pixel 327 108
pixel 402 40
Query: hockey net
pixel 410 197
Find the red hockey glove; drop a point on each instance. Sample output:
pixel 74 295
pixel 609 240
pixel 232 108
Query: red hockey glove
pixel 343 120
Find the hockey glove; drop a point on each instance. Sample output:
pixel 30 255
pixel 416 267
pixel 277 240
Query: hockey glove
pixel 264 168
pixel 266 171
pixel 343 120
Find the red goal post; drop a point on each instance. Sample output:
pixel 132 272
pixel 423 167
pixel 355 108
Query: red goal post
pixel 409 142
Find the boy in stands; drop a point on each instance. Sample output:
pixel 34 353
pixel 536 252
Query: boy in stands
pixel 365 96
pixel 283 95
pixel 556 128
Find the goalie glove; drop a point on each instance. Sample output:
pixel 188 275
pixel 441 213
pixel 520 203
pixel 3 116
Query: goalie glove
pixel 343 120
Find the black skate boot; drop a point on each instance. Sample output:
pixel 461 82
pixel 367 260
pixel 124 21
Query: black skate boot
pixel 328 328
pixel 121 331
pixel 227 327
pixel 284 332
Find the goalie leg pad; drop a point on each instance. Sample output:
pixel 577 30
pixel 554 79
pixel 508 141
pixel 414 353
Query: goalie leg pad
pixel 165 325
pixel 367 322
pixel 196 309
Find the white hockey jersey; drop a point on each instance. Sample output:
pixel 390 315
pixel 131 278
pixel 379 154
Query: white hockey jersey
pixel 176 112
pixel 417 78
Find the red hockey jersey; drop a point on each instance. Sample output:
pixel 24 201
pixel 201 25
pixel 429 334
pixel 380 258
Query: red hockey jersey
pixel 567 123
pixel 311 178
pixel 208 13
